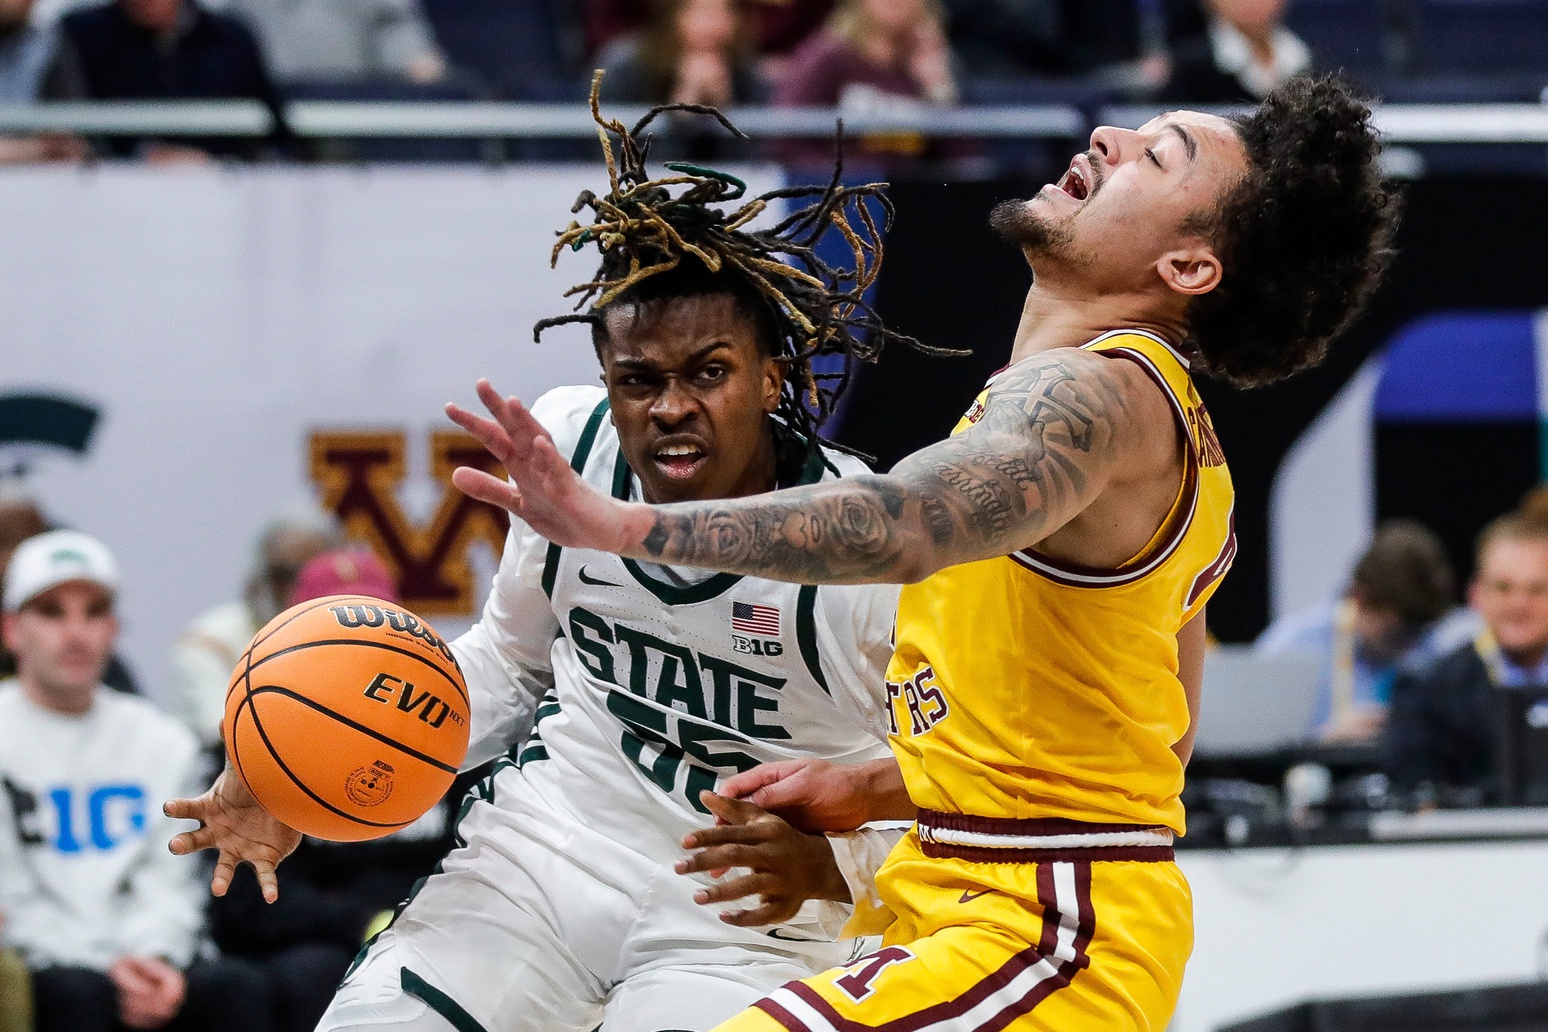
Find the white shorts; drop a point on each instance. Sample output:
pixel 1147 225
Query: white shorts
pixel 542 924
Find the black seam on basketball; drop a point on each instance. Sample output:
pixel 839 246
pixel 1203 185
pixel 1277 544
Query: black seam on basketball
pixel 236 754
pixel 247 657
pixel 258 726
pixel 371 645
pixel 296 616
pixel 363 729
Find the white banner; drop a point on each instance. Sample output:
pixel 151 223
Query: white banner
pixel 219 318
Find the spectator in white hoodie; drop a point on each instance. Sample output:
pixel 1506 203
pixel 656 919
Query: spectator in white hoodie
pixel 109 922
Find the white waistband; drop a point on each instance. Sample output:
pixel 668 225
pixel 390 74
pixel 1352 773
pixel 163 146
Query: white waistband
pixel 1094 840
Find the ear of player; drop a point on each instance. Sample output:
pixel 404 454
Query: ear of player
pixel 347 717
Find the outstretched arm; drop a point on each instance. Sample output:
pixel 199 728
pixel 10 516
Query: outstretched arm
pixel 1055 430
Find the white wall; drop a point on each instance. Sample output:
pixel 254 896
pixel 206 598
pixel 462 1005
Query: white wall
pixel 1323 502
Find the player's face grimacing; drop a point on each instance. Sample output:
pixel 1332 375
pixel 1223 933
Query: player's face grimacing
pixel 691 392
pixel 1135 203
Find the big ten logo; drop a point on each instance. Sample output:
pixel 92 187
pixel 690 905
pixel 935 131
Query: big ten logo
pixel 921 698
pixel 360 474
pixel 756 646
pixel 430 708
pixel 75 819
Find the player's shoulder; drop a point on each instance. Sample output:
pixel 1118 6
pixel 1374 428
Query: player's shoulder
pixel 568 413
pixel 1084 390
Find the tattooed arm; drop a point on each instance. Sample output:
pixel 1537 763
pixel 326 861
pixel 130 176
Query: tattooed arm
pixel 1056 428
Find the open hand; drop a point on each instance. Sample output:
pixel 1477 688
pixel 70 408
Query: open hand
pixel 786 867
pixel 231 821
pixel 549 495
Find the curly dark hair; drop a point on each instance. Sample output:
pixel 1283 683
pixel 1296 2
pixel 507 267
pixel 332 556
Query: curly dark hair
pixel 1304 237
pixel 658 246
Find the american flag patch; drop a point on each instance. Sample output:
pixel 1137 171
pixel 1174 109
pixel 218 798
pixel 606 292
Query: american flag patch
pixel 749 618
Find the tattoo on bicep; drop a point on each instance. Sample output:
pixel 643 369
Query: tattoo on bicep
pixel 1026 466
pixel 1021 471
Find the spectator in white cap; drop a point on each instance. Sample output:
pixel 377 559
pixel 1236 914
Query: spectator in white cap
pixel 21 517
pixel 108 921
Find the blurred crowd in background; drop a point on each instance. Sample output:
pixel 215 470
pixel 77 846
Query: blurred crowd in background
pixel 855 55
pixel 102 928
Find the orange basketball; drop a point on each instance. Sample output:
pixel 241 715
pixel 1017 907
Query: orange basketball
pixel 347 717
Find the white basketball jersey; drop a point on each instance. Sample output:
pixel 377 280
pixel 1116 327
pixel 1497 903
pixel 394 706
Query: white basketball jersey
pixel 661 683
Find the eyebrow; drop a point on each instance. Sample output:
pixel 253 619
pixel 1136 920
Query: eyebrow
pixel 698 356
pixel 1189 143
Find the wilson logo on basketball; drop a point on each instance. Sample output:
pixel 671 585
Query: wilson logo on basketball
pixel 353 616
pixel 430 709
pixel 359 474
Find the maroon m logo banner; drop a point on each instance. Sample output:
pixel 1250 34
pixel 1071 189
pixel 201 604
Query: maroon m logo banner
pixel 359 473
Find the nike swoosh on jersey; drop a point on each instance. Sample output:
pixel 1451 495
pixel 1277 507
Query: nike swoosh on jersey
pixel 599 583
pixel 968 896
pixel 775 933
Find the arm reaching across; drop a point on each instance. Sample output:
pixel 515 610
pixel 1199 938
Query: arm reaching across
pixel 1057 428
pixel 819 796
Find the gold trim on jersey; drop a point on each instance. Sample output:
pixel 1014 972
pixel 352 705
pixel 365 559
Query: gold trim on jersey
pixel 1172 530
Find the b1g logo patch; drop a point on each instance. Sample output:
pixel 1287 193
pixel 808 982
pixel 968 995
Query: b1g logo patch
pixel 755 629
pixel 369 786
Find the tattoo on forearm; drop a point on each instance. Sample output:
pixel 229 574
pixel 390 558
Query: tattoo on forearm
pixel 1023 470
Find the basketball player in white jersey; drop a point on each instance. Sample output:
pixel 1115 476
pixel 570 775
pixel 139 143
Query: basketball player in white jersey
pixel 617 694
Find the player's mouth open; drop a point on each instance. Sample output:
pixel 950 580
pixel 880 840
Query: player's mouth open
pixel 1074 182
pixel 679 461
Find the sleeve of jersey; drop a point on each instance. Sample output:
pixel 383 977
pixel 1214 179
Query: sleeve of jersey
pixel 505 657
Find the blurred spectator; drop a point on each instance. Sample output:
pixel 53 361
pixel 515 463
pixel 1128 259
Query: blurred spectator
pixel 169 50
pixel 20 519
pixel 693 52
pixel 781 25
pixel 1446 719
pixel 36 64
pixel 343 571
pixel 1245 53
pixel 1399 610
pixel 344 39
pixel 784 25
pixel 108 920
pixel 334 894
pixel 204 657
pixel 873 55
pixel 1007 37
pixel 1534 506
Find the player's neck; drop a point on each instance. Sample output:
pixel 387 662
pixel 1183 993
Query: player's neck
pixel 1057 315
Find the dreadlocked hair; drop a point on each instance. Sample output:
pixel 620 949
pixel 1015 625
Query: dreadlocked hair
pixel 657 244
